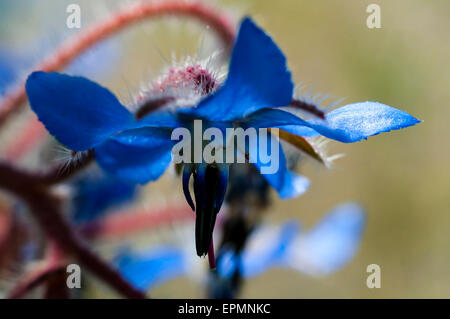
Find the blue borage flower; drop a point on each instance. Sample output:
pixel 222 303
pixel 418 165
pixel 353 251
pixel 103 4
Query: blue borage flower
pixel 320 251
pixel 83 115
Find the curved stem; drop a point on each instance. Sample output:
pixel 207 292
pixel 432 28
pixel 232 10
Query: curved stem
pixel 116 22
pixel 125 223
pixel 36 278
pixel 62 172
pixel 56 174
pixel 52 266
pixel 211 256
pixel 33 188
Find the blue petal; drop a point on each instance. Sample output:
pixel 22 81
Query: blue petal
pixel 331 244
pixel 288 184
pixel 266 250
pixel 347 124
pixel 153 267
pixel 137 155
pixel 79 113
pixel 358 121
pixel 258 78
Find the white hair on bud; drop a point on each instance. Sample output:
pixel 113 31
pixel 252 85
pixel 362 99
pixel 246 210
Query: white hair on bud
pixel 176 81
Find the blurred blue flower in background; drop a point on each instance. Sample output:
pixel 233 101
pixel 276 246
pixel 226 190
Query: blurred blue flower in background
pixel 95 194
pixel 23 49
pixel 153 267
pixel 324 249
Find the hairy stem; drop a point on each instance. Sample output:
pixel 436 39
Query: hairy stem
pixel 51 268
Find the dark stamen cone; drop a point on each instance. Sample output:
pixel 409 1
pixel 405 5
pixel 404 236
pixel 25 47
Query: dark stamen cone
pixel 207 188
pixel 187 172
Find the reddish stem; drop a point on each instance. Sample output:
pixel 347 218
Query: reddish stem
pixel 53 267
pixel 6 234
pixel 56 287
pixel 121 224
pixel 13 235
pixel 211 255
pixel 6 224
pixel 32 188
pixel 35 278
pixel 56 174
pixel 116 22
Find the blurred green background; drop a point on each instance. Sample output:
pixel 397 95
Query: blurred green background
pixel 402 178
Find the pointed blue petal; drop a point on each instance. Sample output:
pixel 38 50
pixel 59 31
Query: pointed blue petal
pixel 288 184
pixel 347 124
pixel 137 155
pixel 79 113
pixel 258 78
pixel 331 244
pixel 358 121
pixel 153 267
pixel 269 118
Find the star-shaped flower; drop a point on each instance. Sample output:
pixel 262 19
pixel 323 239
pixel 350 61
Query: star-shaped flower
pixel 83 115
